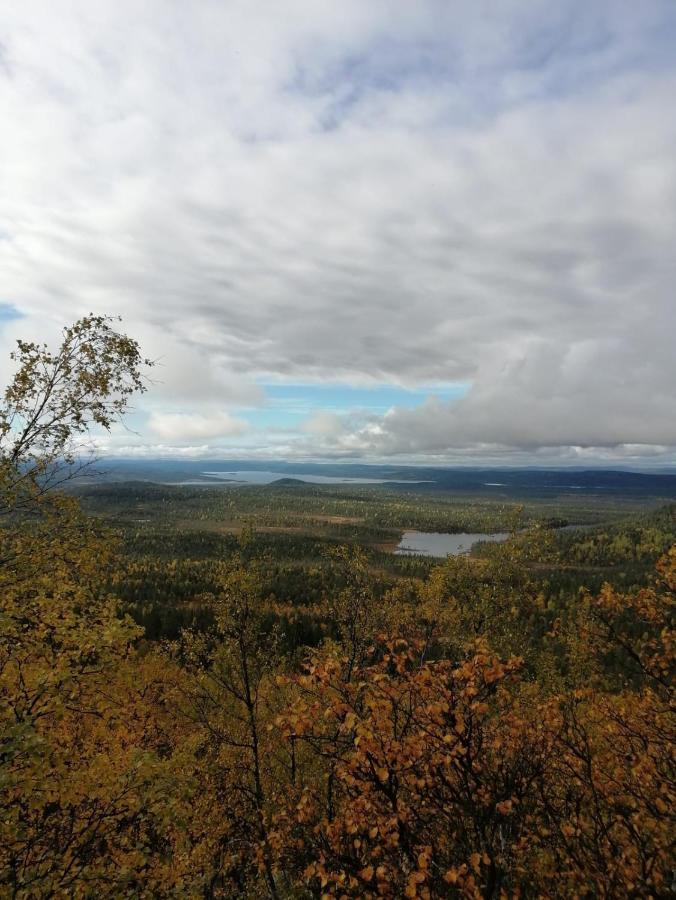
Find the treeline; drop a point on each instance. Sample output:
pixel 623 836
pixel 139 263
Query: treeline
pixel 372 512
pixel 167 578
pixel 636 541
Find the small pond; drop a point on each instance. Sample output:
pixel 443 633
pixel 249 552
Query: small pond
pixel 427 543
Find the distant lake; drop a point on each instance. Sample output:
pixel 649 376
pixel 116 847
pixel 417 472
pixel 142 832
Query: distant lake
pixel 254 476
pixel 428 543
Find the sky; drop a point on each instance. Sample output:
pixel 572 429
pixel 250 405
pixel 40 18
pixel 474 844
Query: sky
pixel 437 231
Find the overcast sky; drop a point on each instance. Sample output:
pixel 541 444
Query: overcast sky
pixel 436 230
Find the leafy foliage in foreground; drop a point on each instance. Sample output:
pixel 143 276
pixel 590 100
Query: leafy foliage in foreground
pixel 424 764
pixel 440 775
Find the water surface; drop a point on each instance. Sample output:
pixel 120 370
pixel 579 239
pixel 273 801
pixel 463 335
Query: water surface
pixel 431 543
pixel 256 476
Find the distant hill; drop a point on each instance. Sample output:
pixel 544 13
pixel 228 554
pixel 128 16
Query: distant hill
pixel 493 483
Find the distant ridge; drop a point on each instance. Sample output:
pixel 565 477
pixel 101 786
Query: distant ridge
pixel 489 482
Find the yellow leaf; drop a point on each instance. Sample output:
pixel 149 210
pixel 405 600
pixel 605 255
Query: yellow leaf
pixel 366 874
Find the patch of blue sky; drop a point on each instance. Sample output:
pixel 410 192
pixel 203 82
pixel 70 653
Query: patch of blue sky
pixel 286 406
pixel 8 313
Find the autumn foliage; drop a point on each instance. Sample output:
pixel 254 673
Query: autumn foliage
pixel 429 777
pixel 451 740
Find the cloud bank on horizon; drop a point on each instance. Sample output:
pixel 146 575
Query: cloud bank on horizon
pixel 467 210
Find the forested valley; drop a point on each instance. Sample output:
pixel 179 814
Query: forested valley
pixel 244 692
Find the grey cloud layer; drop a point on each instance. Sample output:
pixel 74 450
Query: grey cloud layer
pixel 409 193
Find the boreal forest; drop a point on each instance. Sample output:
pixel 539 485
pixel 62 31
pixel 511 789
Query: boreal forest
pixel 227 690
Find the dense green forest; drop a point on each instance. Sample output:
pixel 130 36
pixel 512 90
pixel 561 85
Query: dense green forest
pixel 174 538
pixel 245 692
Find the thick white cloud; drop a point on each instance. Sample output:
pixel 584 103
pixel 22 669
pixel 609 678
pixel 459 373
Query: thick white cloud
pixel 192 426
pixel 385 191
pixel 324 424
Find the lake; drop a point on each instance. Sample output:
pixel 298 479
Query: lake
pixel 427 543
pixel 256 476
